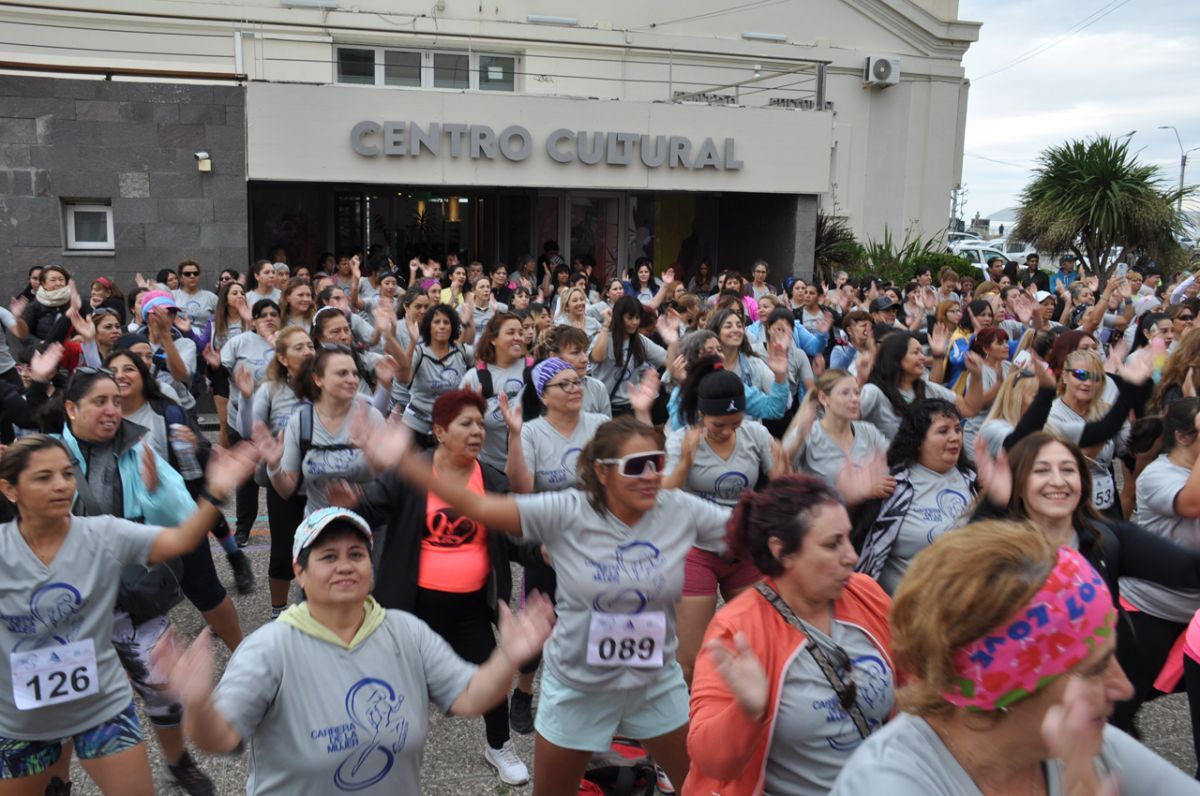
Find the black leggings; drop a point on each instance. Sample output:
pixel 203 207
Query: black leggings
pixel 246 497
pixel 465 622
pixel 283 516
pixel 538 576
pixel 1142 655
pixel 200 583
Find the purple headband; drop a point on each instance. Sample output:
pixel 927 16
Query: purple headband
pixel 546 370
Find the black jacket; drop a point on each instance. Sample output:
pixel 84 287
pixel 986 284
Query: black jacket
pixel 391 502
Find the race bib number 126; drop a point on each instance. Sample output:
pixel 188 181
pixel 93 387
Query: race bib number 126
pixel 52 675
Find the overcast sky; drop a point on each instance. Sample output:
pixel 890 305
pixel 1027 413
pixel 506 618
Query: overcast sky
pixel 1133 69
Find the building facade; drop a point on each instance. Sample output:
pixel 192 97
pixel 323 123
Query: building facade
pixel 138 135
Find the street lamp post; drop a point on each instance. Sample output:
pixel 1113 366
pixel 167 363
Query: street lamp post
pixel 1182 161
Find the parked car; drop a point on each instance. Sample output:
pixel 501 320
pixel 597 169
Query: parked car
pixel 956 239
pixel 979 256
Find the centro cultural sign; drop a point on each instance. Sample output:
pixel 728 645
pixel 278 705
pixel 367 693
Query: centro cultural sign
pixel 515 143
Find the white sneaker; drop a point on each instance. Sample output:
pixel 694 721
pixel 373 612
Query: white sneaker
pixel 508 766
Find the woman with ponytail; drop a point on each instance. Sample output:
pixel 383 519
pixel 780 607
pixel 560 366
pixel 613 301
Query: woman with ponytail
pixel 716 456
pixel 828 431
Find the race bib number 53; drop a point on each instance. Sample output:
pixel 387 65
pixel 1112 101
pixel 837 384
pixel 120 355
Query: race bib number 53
pixel 627 640
pixel 52 675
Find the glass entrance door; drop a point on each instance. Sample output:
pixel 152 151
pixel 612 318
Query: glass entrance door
pixel 596 227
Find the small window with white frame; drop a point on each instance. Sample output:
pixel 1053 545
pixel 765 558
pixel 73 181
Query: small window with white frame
pixel 89 226
pixel 425 69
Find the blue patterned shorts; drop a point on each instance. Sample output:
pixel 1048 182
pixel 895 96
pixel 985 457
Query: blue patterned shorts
pixel 29 758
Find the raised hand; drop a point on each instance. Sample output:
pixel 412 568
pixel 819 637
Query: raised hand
pixel 523 635
pixel 1189 385
pixel 343 494
pixel 777 360
pixel 17 306
pixel 993 474
pixel 270 446
pixel 149 469
pixel 383 444
pixel 691 441
pixel 183 322
pixel 243 377
pixel 644 393
pixel 140 280
pixel 679 370
pixel 512 416
pixel 84 327
pixel 386 369
pixel 1116 356
pixel 974 364
pixel 825 322
pixel 211 357
pixel 1074 731
pixel 859 483
pixel 44 364
pixel 189 670
pixel 742 672
pixel 230 468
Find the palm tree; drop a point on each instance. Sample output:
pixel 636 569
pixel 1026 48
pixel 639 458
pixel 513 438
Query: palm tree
pixel 834 247
pixel 1089 196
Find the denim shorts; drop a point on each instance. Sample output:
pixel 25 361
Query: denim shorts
pixel 30 758
pixel 587 720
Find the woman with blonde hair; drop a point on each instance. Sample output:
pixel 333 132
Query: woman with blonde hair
pixel 1179 376
pixel 1010 681
pixel 828 432
pixel 573 312
pixel 1080 400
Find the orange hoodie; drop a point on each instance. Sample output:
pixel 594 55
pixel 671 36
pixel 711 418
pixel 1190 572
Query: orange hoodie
pixel 729 749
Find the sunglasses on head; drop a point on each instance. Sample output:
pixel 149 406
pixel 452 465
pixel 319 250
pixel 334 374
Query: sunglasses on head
pixel 1086 375
pixel 636 465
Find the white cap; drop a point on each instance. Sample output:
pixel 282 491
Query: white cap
pixel 1042 295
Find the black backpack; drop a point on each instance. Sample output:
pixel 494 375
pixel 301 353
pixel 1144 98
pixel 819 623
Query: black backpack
pixel 626 769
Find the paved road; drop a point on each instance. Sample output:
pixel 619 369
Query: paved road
pixel 454 762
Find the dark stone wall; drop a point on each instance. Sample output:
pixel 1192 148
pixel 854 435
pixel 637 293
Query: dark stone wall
pixel 778 228
pixel 132 144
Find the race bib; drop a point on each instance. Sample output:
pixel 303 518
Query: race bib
pixel 627 639
pixel 1104 491
pixel 52 675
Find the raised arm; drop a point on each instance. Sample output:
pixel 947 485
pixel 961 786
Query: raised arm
pixel 227 470
pixel 386 447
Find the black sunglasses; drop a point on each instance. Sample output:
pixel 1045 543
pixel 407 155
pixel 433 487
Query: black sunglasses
pixel 189 273
pixel 849 693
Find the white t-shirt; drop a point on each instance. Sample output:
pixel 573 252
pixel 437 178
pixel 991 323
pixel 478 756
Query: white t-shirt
pixel 1157 487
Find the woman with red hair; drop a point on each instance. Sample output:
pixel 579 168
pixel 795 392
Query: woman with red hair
pixel 991 344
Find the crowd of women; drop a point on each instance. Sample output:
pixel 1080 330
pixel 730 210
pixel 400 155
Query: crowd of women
pixel 833 537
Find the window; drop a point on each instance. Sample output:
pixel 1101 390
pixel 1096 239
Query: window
pixel 453 71
pixel 401 68
pixel 496 73
pixel 89 226
pixel 356 66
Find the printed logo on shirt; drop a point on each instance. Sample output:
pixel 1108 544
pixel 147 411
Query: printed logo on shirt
pixel 53 618
pixel 448 378
pixel 448 528
pixel 633 574
pixel 950 505
pixel 565 473
pixel 375 734
pixel 873 680
pixel 511 389
pixel 326 463
pixel 728 487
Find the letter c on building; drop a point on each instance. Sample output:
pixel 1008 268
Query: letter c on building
pixel 552 145
pixel 359 132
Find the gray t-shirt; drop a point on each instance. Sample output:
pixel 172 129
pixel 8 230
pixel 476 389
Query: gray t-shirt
pixel 938 504
pixel 7 362
pixel 274 405
pixel 253 297
pixel 68 601
pixel 1157 487
pixel 612 375
pixel 155 424
pixel 321 719
pixel 330 458
pixel 907 758
pixel 994 432
pixel 550 457
pixel 510 382
pixel 972 425
pixel 824 458
pixel 813 736
pixel 877 410
pixel 722 480
pixel 400 388
pixel 198 306
pixel 595 397
pixel 432 377
pixel 1068 423
pixel 607 567
pixel 246 350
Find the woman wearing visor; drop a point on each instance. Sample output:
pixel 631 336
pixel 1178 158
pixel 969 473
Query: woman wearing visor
pixel 618 542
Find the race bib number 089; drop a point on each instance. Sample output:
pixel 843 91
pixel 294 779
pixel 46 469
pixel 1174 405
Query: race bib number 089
pixel 52 675
pixel 634 640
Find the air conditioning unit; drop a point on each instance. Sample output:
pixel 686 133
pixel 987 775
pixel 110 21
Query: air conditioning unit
pixel 881 71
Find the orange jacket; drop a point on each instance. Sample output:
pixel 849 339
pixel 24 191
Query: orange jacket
pixel 729 749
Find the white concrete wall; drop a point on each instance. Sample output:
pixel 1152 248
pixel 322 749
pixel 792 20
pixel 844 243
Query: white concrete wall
pixel 899 149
